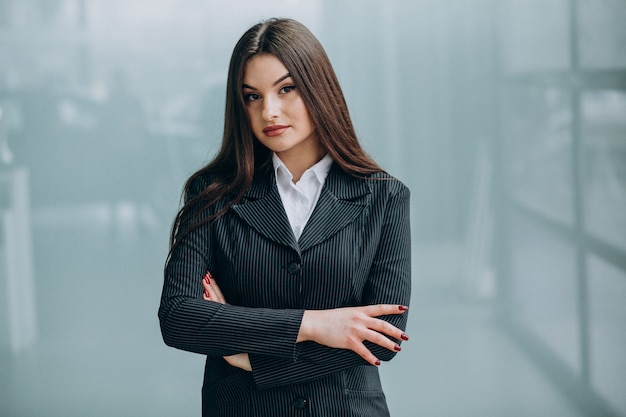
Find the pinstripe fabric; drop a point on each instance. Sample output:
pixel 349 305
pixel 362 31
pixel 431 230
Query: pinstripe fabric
pixel 355 250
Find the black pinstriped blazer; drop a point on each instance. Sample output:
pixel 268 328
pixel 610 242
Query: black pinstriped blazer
pixel 355 250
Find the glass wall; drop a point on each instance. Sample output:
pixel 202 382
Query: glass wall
pixel 562 251
pixel 603 138
pixel 607 289
pixel 544 295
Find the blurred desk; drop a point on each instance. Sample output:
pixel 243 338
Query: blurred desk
pixel 18 318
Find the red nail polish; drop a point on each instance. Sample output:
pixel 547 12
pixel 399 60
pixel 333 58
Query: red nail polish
pixel 206 294
pixel 403 308
pixel 404 336
pixel 397 348
pixel 377 363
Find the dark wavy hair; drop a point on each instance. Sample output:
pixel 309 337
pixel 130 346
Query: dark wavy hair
pixel 241 155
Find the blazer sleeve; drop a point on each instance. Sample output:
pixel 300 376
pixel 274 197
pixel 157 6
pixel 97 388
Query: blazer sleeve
pixel 190 323
pixel 389 282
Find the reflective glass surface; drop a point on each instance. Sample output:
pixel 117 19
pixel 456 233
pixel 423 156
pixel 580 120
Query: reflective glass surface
pixel 545 46
pixel 538 150
pixel 604 156
pixel 602 39
pixel 545 289
pixel 607 315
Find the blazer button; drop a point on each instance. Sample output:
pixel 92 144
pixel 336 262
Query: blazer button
pixel 293 267
pixel 300 403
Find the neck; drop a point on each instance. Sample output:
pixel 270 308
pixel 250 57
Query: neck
pixel 299 162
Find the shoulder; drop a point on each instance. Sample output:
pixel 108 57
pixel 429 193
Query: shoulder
pixel 199 182
pixel 195 185
pixel 378 185
pixel 384 184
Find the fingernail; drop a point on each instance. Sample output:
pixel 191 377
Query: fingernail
pixel 377 363
pixel 206 279
pixel 397 348
pixel 403 308
pixel 404 336
pixel 206 294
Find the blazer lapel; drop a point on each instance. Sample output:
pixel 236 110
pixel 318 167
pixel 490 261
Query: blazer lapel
pixel 263 210
pixel 342 199
pixel 340 203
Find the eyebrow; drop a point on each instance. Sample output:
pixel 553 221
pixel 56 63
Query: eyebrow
pixel 278 81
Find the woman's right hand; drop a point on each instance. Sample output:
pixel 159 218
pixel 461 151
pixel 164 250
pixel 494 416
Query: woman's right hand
pixel 349 327
pixel 212 292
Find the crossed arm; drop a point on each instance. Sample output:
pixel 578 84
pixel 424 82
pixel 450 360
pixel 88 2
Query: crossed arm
pixel 342 328
pixel 305 344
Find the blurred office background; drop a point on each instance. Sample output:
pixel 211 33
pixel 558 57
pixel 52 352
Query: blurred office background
pixel 507 118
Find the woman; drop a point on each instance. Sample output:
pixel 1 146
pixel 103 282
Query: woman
pixel 302 240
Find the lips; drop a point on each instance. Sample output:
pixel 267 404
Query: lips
pixel 275 130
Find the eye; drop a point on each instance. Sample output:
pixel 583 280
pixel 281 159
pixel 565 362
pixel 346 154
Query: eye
pixel 287 89
pixel 251 97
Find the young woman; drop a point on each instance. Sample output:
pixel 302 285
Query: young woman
pixel 289 262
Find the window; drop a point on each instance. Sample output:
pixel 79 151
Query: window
pixel 562 229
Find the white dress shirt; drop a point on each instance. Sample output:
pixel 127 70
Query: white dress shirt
pixel 299 198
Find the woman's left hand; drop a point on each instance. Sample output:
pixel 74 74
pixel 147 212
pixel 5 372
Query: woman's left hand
pixel 212 292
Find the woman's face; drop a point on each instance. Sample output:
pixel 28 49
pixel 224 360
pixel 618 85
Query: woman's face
pixel 277 114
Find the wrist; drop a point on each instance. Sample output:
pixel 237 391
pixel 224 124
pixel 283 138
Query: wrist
pixel 306 332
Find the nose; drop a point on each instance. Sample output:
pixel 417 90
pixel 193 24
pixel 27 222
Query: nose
pixel 271 108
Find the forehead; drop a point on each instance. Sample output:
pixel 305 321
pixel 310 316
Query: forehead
pixel 263 69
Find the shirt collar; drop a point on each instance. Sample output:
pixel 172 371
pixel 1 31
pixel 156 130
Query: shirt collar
pixel 320 169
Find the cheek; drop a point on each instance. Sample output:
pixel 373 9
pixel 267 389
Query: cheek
pixel 307 116
pixel 300 111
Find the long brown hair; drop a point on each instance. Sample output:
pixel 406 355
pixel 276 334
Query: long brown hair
pixel 241 155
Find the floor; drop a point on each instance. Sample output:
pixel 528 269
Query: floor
pixel 99 352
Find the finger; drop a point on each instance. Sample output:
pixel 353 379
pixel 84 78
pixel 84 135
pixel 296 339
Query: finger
pixel 206 288
pixel 365 353
pixel 218 292
pixel 215 293
pixel 384 309
pixel 211 289
pixel 210 292
pixel 382 341
pixel 383 327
